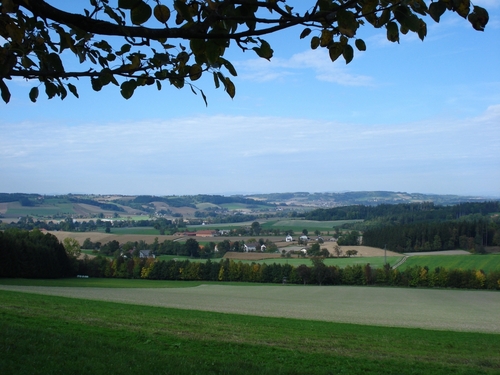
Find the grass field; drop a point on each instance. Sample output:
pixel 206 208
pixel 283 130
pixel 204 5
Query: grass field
pixel 136 231
pixel 487 263
pixel 44 334
pixel 16 210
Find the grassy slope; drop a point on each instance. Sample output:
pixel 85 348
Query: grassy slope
pixel 49 335
pixel 487 263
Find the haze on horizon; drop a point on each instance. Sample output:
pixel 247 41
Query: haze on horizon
pixel 412 117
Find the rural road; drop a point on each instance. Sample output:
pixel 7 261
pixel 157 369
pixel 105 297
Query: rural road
pixel 455 310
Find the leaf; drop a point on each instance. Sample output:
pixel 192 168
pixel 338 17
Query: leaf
pixel 228 66
pixel 463 8
pixel 141 13
pixel 4 91
pixel 72 89
pixel 315 42
pixel 326 37
pixel 161 13
pixel 112 14
pixel 216 80
pixel 360 44
pixel 195 72
pixel 305 33
pixel 335 50
pixel 348 53
pixel 230 88
pixel 347 23
pixel 51 89
pixel 479 18
pixel 436 10
pixel 33 94
pixel 96 84
pixel 127 88
pixel 265 51
pixel 392 32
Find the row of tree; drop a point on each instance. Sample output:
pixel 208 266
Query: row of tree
pixel 404 213
pixel 318 273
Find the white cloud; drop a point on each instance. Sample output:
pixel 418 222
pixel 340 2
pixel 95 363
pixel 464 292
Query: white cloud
pixel 317 61
pixel 214 154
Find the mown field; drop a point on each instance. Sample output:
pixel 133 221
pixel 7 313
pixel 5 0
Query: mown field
pixel 43 334
pixel 487 263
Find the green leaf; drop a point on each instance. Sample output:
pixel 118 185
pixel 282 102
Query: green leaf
pixel 112 14
pixel 347 23
pixel 335 50
pixel 51 89
pixel 384 18
pixel 463 8
pixel 127 88
pixel 216 80
pixel 4 91
pixel 230 88
pixel 195 72
pixel 33 94
pixel 265 51
pixel 141 13
pixel 305 33
pixel 228 66
pixel 161 13
pixel 392 32
pixel 315 42
pixel 72 89
pixel 348 53
pixel 479 18
pixel 436 10
pixel 128 4
pixel 360 44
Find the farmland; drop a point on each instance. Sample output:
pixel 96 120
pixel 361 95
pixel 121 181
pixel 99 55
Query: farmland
pixel 487 263
pixel 224 329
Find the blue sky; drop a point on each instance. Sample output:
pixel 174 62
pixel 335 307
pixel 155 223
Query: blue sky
pixel 415 117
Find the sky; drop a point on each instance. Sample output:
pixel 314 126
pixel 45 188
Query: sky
pixel 416 117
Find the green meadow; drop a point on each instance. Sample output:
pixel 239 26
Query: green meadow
pixel 487 263
pixel 44 334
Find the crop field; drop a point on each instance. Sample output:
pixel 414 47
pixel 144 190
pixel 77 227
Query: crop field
pixel 375 262
pixel 16 210
pixel 487 263
pixel 227 329
pixel 136 230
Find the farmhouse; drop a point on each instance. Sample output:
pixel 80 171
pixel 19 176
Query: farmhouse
pixel 304 238
pixel 289 238
pixel 146 254
pixel 250 247
pixel 206 233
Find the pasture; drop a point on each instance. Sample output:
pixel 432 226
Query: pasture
pixel 487 263
pixel 221 329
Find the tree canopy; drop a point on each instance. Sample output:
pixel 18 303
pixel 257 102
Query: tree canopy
pixel 133 43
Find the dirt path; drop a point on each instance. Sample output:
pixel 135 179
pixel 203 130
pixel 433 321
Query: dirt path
pixel 456 310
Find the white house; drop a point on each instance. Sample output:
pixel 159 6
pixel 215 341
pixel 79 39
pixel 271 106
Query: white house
pixel 249 247
pixel 289 238
pixel 146 254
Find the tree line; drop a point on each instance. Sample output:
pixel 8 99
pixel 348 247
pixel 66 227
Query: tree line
pixel 472 234
pixel 316 274
pixel 404 213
